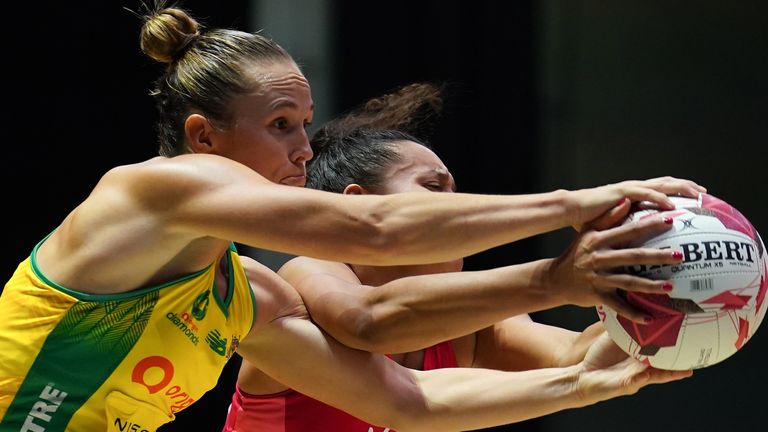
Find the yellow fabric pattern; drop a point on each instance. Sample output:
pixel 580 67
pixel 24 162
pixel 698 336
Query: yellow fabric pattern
pixel 114 362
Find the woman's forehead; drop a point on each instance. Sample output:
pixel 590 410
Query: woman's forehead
pixel 415 156
pixel 280 88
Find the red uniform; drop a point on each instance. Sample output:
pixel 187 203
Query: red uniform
pixel 291 411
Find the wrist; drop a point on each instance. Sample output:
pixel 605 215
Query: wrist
pixel 571 348
pixel 571 377
pixel 545 282
pixel 567 207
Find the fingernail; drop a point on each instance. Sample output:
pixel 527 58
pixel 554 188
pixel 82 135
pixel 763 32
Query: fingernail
pixel 667 286
pixel 622 201
pixel 667 220
pixel 677 255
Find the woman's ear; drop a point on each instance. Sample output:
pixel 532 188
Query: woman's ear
pixel 354 189
pixel 198 130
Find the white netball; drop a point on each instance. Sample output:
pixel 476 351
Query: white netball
pixel 718 299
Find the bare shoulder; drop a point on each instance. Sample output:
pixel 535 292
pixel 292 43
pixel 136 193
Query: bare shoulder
pixel 177 174
pixel 186 192
pixel 152 180
pixel 139 196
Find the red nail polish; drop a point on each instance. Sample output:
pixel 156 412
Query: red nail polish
pixel 677 255
pixel 667 286
pixel 622 201
pixel 667 220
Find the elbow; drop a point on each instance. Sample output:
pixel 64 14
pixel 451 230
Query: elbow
pixel 381 326
pixel 409 421
pixel 383 245
pixel 411 405
pixel 363 335
pixel 384 236
pixel 367 334
pixel 409 413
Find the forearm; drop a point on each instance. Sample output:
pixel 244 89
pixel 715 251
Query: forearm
pixel 464 399
pixel 518 343
pixel 506 397
pixel 378 390
pixel 442 227
pixel 371 387
pixel 200 196
pixel 417 228
pixel 398 229
pixel 415 312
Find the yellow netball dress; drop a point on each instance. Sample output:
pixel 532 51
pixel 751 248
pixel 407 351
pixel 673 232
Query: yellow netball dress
pixel 127 362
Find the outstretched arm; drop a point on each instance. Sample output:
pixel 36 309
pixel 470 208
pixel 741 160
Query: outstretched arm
pixel 215 197
pixel 187 209
pixel 519 343
pixel 415 312
pixel 292 350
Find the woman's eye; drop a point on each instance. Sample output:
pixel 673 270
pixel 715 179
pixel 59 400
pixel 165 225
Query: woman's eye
pixel 433 186
pixel 280 123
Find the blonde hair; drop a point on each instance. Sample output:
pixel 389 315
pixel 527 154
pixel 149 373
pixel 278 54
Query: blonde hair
pixel 205 69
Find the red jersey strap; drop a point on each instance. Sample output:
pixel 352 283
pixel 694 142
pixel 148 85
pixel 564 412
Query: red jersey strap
pixel 440 356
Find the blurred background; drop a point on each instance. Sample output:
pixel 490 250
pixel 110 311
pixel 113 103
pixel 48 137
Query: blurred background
pixel 540 95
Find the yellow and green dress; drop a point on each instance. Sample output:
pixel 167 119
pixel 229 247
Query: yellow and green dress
pixel 80 362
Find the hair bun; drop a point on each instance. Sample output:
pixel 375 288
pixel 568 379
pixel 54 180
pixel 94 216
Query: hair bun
pixel 166 33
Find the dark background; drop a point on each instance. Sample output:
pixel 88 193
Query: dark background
pixel 540 95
